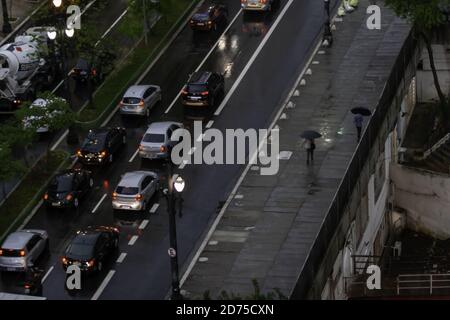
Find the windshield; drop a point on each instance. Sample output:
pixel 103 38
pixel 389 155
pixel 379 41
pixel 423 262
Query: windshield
pixel 127 190
pixel 154 138
pixel 129 100
pixel 196 88
pixel 94 142
pixel 61 184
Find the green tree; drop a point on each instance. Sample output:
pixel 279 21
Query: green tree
pixel 54 114
pixel 425 16
pixel 139 18
pixel 10 168
pixel 13 135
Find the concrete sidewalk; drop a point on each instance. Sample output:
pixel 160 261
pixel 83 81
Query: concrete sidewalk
pixel 268 229
pixel 18 11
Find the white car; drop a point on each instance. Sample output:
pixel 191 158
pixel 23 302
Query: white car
pixel 135 190
pixel 39 103
pixel 21 249
pixel 156 142
pixel 140 100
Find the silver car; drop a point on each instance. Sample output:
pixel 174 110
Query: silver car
pixel 139 100
pixel 156 142
pixel 22 248
pixel 135 190
pixel 257 5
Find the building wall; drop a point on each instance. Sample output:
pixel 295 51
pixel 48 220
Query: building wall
pixel 425 196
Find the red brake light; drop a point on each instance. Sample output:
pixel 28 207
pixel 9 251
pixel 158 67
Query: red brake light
pixel 162 149
pixel 22 253
pixel 114 195
pixel 205 93
pixel 139 197
pixel 46 196
pixel 1 252
pixel 69 197
pixel 141 104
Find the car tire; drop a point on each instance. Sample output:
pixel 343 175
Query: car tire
pixel 76 203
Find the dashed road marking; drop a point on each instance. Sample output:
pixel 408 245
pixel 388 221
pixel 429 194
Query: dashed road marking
pixel 99 203
pixel 133 240
pixel 102 287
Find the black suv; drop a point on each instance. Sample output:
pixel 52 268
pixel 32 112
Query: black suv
pixel 203 89
pixel 101 144
pixel 67 188
pixel 209 17
pixel 89 248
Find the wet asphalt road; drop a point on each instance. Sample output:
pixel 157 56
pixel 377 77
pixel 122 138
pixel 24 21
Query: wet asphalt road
pixel 145 272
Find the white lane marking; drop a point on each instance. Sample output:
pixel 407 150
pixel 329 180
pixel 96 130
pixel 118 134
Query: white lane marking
pixel 241 178
pixel 210 123
pixel 112 26
pixel 57 143
pixel 31 215
pixel 121 257
pixel 47 274
pixel 181 167
pixel 253 58
pixel 99 203
pixel 57 87
pixel 154 208
pixel 144 224
pixel 133 240
pixel 134 156
pixel 103 285
pixel 206 57
pixel 192 151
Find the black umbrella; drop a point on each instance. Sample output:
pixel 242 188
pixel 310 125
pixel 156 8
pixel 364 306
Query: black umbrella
pixel 310 134
pixel 362 111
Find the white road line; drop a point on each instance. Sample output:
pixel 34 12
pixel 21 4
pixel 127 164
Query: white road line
pixel 47 274
pixel 134 156
pixel 121 257
pixel 99 203
pixel 133 240
pixel 103 285
pixel 183 164
pixel 31 215
pixel 154 208
pixel 112 26
pixel 210 123
pixel 206 57
pixel 241 178
pixel 144 224
pixel 253 58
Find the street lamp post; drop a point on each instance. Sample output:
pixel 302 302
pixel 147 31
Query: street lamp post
pixel 176 184
pixel 7 28
pixel 59 34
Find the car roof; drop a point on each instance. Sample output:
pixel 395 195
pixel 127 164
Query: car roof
pixel 200 77
pixel 160 127
pixel 205 8
pixel 99 131
pixel 132 179
pixel 86 237
pixel 136 91
pixel 17 240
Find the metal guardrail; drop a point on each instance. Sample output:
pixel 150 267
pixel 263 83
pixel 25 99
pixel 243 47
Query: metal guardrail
pixel 423 282
pixel 436 146
pixel 348 183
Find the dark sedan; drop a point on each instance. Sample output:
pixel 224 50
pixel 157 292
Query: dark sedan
pixel 90 248
pixel 67 188
pixel 100 145
pixel 209 17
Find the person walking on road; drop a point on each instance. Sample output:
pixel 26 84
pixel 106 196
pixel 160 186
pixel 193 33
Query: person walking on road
pixel 309 145
pixel 358 120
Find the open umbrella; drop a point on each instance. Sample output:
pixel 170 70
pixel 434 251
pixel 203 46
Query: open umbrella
pixel 310 134
pixel 362 111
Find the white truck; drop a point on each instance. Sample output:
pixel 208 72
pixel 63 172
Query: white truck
pixel 23 67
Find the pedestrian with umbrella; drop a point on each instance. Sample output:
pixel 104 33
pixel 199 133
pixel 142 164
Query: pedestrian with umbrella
pixel 309 144
pixel 358 119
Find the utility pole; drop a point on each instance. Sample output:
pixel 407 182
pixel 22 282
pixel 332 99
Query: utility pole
pixel 7 28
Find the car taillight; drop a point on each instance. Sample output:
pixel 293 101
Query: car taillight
pixel 79 153
pixel 46 196
pixel 1 252
pixel 69 197
pixel 116 230
pixel 162 149
pixel 184 91
pixel 91 263
pixel 141 104
pixel 141 147
pixel 22 253
pixel 121 103
pixel 103 154
pixel 114 195
pixel 64 260
pixel 138 197
pixel 209 22
pixel 204 93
